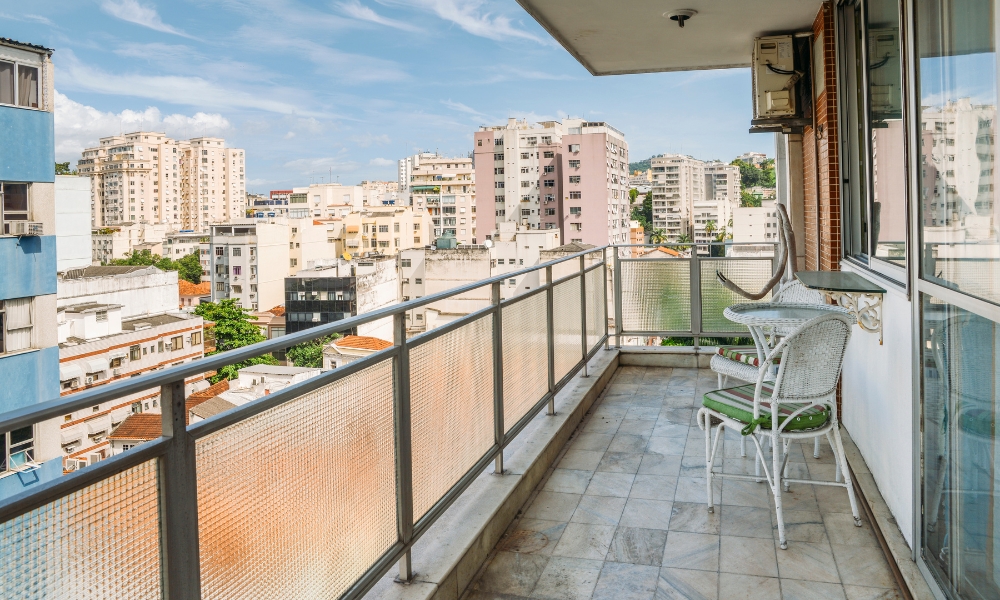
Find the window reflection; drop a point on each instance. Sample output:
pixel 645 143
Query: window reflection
pixel 958 76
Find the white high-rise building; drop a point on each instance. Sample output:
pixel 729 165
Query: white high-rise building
pixel 682 183
pixel 147 177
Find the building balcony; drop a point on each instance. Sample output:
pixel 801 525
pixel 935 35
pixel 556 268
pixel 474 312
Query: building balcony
pixel 518 416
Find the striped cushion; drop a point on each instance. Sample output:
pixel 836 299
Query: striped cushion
pixel 737 403
pixel 744 355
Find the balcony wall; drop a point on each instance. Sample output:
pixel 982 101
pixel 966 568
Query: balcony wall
pixel 29 378
pixel 29 266
pixel 28 148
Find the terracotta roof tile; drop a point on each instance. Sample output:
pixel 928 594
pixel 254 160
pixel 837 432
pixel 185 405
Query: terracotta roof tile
pixel 186 288
pixel 140 426
pixel 362 342
pixel 278 311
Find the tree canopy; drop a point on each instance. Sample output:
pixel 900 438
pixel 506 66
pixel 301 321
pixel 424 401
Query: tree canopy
pixel 644 212
pixel 187 267
pixel 63 168
pixel 752 175
pixel 234 328
pixel 310 354
pixel 748 200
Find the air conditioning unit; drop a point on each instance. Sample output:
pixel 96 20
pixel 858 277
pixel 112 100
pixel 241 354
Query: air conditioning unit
pixel 774 77
pixel 25 228
pixel 883 73
pixel 90 380
pixel 116 372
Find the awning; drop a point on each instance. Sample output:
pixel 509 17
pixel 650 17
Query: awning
pixel 69 372
pixel 70 435
pixel 117 354
pixel 97 365
pixel 101 424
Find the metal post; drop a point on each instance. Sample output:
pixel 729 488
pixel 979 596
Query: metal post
pixel 583 310
pixel 551 337
pixel 498 424
pixel 604 296
pixel 618 300
pixel 181 574
pixel 695 296
pixel 404 454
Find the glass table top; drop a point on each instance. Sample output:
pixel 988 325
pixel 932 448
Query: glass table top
pixel 838 281
pixel 770 313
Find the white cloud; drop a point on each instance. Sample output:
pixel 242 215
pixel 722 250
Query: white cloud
pixel 363 13
pixel 27 18
pixel 471 16
pixel 133 12
pixel 368 139
pixel 289 135
pixel 381 162
pixel 323 165
pixel 78 126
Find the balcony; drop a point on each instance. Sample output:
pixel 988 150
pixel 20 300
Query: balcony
pixel 423 454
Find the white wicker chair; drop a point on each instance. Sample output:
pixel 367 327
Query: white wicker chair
pixel 792 292
pixel 805 387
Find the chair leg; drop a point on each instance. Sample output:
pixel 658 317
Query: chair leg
pixel 743 446
pixel 836 459
pixel 839 452
pixel 721 385
pixel 816 447
pixel 708 458
pixel 777 469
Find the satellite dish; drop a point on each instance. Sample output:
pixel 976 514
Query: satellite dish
pixel 488 243
pixel 346 255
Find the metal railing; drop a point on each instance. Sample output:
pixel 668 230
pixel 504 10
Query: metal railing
pixel 321 487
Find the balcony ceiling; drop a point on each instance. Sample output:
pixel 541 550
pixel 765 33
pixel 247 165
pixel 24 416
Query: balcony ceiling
pixel 614 38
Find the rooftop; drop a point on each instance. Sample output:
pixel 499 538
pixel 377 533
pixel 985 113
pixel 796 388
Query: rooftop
pixel 276 370
pixel 210 407
pixel 362 342
pixel 186 288
pixel 88 307
pixel 141 426
pixel 25 46
pixel 152 321
pixel 108 271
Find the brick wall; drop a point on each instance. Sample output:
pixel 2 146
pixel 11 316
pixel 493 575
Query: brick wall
pixel 821 155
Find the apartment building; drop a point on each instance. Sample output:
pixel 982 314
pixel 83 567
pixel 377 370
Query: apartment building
pixel 757 225
pixel 756 159
pixel 182 243
pixel 444 189
pixel 147 177
pixel 405 171
pixel 274 205
pixel 679 182
pixel 248 261
pixel 570 175
pixel 115 242
pixel 381 193
pixel 72 222
pixel 29 356
pixel 384 231
pixel 325 200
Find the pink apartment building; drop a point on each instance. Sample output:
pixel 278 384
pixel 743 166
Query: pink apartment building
pixel 570 175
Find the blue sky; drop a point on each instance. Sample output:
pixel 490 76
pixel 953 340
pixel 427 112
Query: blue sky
pixel 350 86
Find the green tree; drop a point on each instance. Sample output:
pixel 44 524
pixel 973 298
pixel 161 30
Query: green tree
pixel 644 213
pixel 234 328
pixel 684 241
pixel 658 236
pixel 310 354
pixel 633 194
pixel 63 168
pixel 751 175
pixel 189 267
pixel 748 200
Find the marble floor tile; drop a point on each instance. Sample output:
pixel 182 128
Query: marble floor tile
pixel 581 460
pixel 654 487
pixel 863 565
pixel 533 536
pixel 748 587
pixel 695 489
pixel 695 518
pixel 693 466
pixel 584 540
pixel 602 424
pixel 591 441
pixel 746 521
pixel 637 425
pixel 568 481
pixel 644 413
pixel 637 546
pixel 857 592
pixel 802 526
pixel 610 484
pixel 620 462
pixel 624 581
pixel 810 562
pixel 737 492
pixel 691 551
pixel 512 573
pixel 472 594
pixel 673 446
pixel 687 584
pixel 667 428
pixel 677 415
pixel 801 496
pixel 792 589
pixel 599 510
pixel 841 530
pixel 628 442
pixel 660 464
pixel 831 499
pixel 746 556
pixel 649 514
pixel 553 506
pixel 567 578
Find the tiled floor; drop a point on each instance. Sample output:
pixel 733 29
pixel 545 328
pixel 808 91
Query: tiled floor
pixel 623 514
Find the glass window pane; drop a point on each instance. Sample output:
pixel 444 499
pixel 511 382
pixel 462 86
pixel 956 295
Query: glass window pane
pixel 6 83
pixel 15 198
pixel 958 82
pixel 961 378
pixel 885 104
pixel 855 186
pixel 27 86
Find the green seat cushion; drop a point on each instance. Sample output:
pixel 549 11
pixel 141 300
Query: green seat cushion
pixel 737 403
pixel 744 355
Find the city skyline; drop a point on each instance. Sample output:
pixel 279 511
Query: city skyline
pixel 347 89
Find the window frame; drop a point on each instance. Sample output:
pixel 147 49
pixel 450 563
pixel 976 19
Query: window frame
pixel 4 220
pixel 15 89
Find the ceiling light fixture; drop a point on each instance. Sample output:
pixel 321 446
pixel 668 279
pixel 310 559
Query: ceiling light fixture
pixel 680 15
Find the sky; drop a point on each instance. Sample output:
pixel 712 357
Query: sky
pixel 344 88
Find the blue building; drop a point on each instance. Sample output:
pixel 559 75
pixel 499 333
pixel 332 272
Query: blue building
pixel 29 356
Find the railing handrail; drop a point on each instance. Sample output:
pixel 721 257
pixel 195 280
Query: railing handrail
pixel 58 407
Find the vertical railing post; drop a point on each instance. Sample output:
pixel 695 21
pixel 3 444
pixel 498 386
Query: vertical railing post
pixel 583 311
pixel 695 297
pixel 403 445
pixel 618 300
pixel 604 295
pixel 181 576
pixel 498 424
pixel 551 338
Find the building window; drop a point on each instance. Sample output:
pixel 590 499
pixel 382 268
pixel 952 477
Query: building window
pixel 575 195
pixel 135 352
pixel 15 325
pixel 220 286
pixel 525 155
pixel 196 338
pixel 576 226
pixel 498 157
pixel 220 251
pixel 294 262
pixel 17 448
pixel 237 270
pixel 383 229
pixel 549 169
pixel 550 183
pixel 177 343
pixel 548 154
pixel 574 179
pixel 574 164
pixel 550 212
pixel 575 210
pixel 525 212
pixel 574 147
pixel 237 251
pixel 418 281
pixel 21 89
pixel 14 204
pixel 405 263
pixel 101 316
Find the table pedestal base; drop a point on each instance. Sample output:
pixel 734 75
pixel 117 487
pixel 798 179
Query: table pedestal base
pixel 867 308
